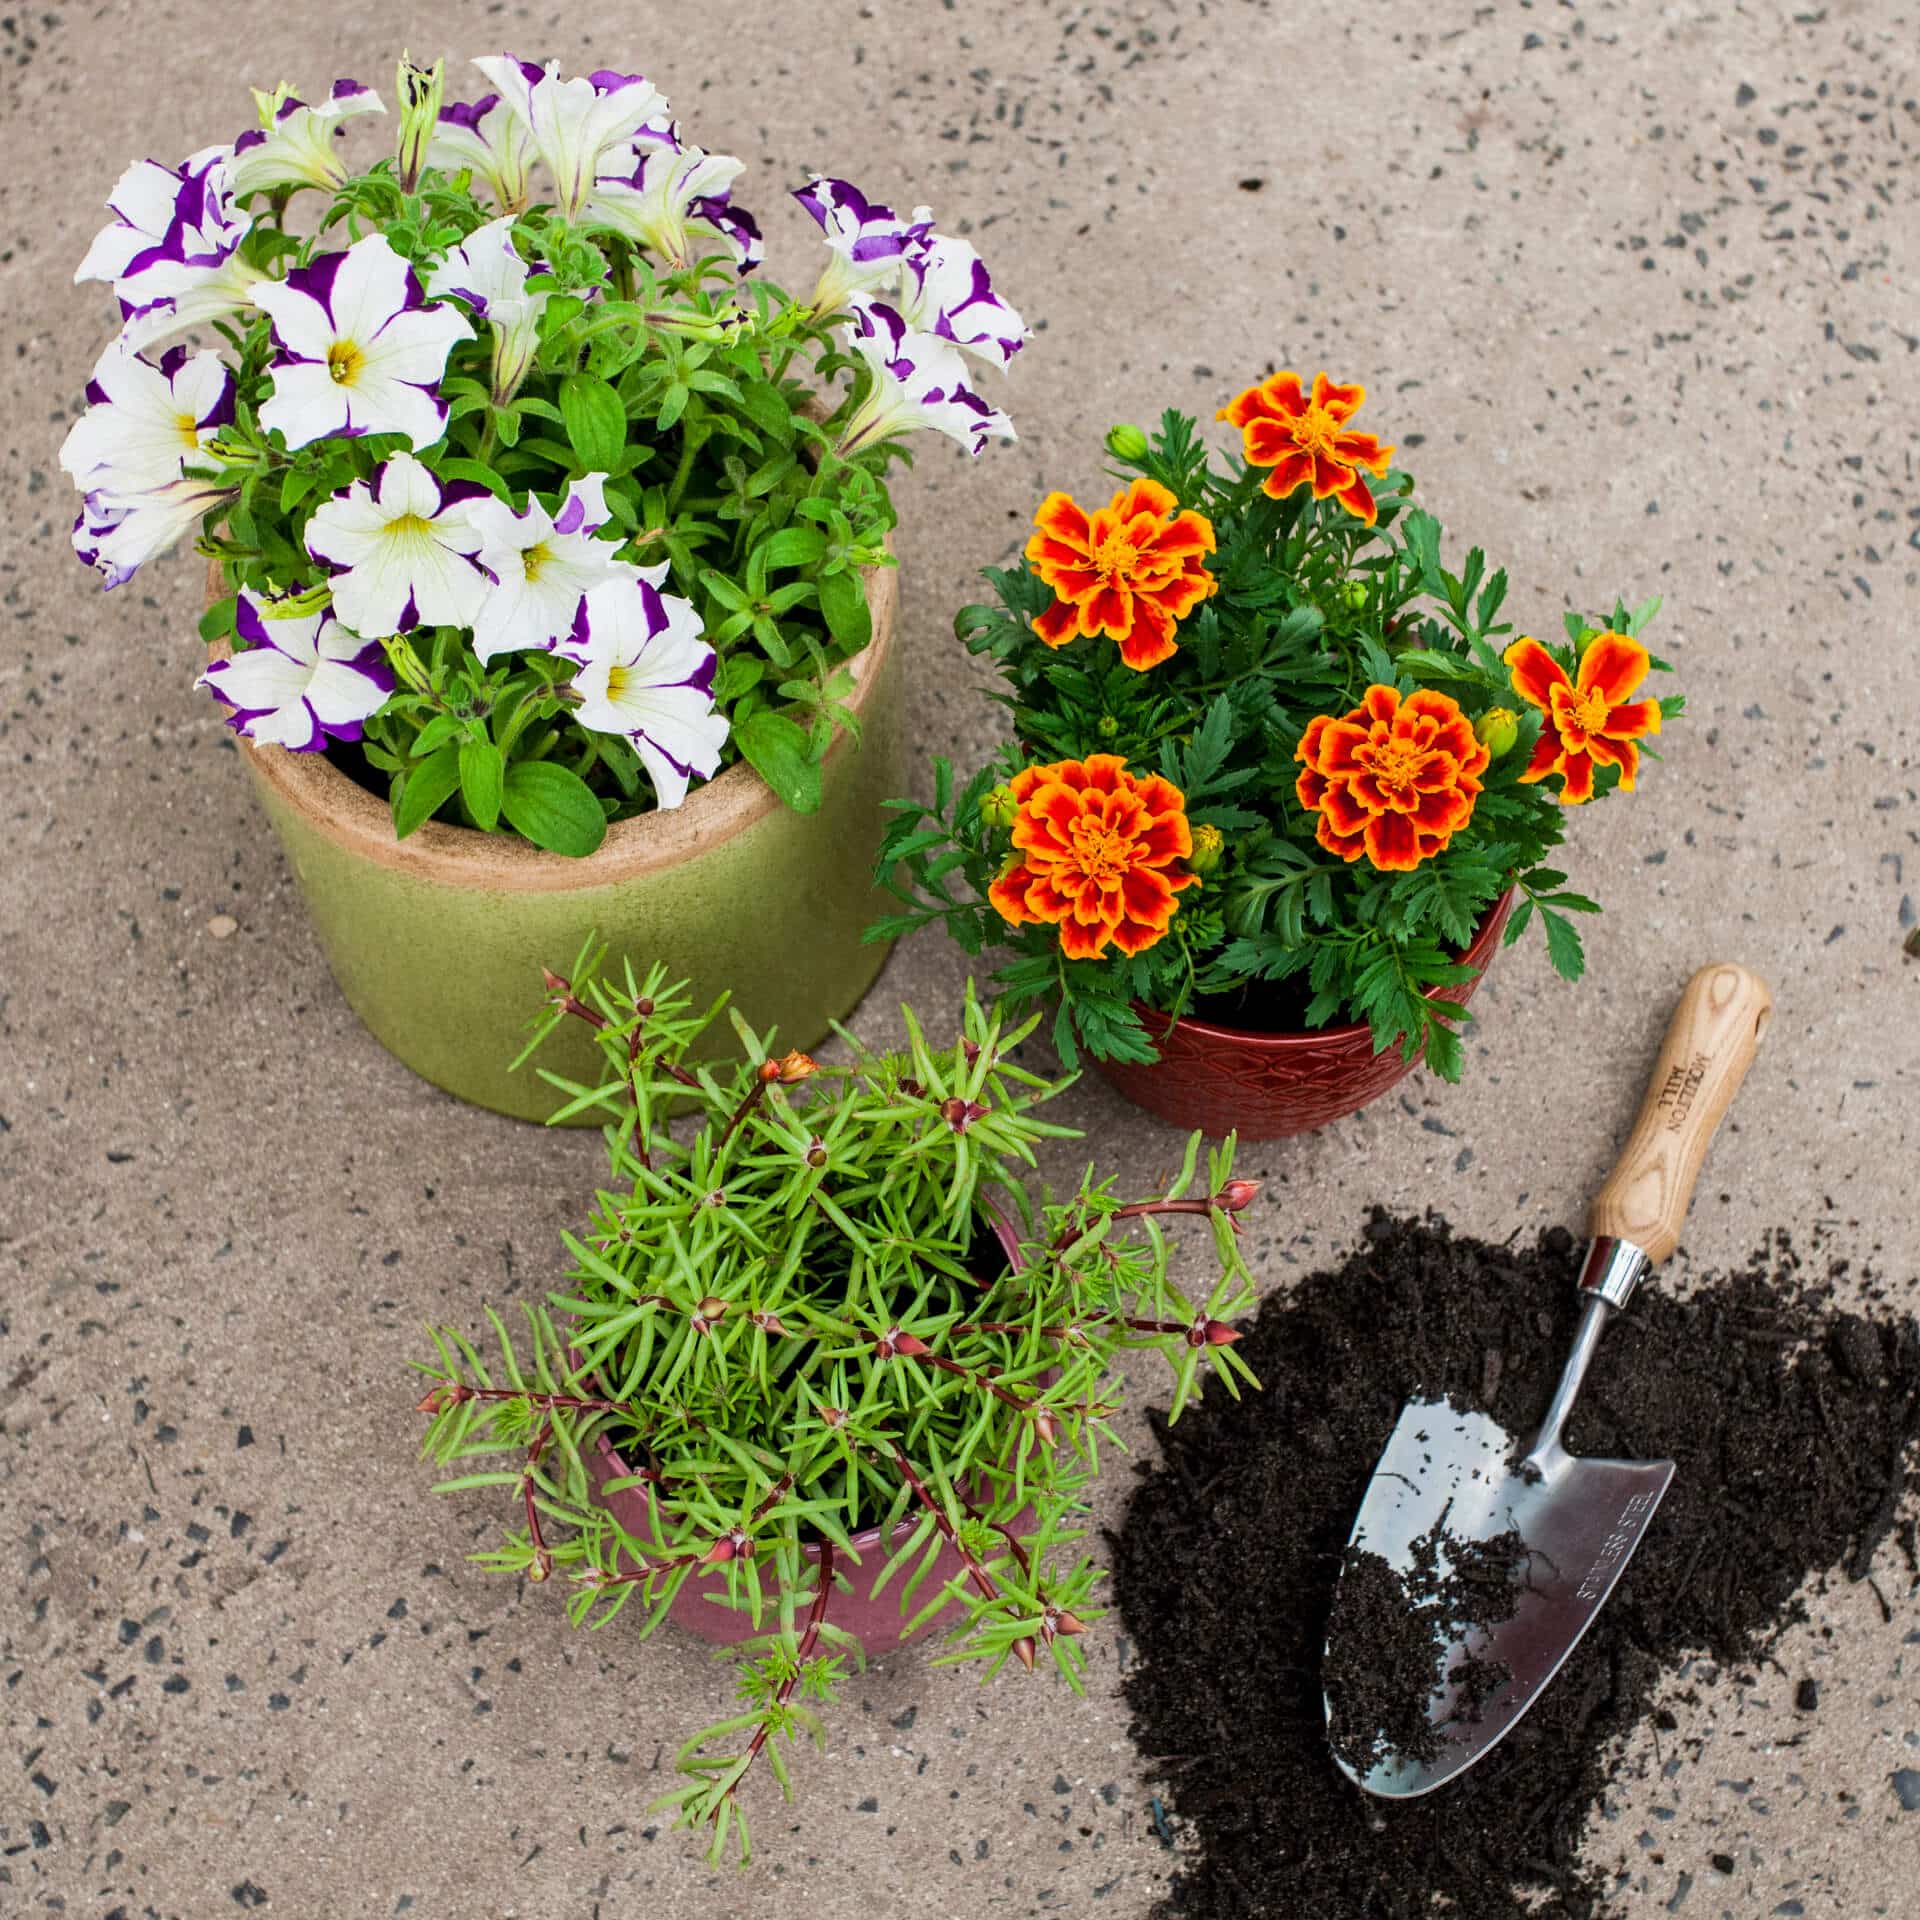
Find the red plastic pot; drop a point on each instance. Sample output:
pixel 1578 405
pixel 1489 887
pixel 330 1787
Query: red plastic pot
pixel 1265 1086
pixel 877 1621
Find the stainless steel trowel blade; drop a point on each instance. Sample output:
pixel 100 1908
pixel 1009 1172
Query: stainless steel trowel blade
pixel 1580 1520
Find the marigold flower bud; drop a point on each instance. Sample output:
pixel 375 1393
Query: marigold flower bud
pixel 1126 442
pixel 1209 848
pixel 1353 595
pixel 1497 729
pixel 1107 726
pixel 998 807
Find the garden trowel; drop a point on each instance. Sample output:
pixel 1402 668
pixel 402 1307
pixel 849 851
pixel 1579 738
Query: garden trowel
pixel 1453 1475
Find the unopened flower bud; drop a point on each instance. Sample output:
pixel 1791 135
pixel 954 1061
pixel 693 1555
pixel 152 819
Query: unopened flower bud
pixel 1235 1195
pixel 790 1069
pixel 1046 1426
pixel 1126 442
pixel 1107 726
pixel 1025 1651
pixel 542 1567
pixel 1209 848
pixel 894 1343
pixel 419 89
pixel 1497 729
pixel 816 1152
pixel 1353 595
pixel 998 807
pixel 711 1308
pixel 961 1114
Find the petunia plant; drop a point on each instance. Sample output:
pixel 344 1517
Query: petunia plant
pixel 854 1359
pixel 1271 760
pixel 533 501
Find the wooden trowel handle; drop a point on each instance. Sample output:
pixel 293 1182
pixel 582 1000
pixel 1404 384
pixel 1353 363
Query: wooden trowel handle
pixel 1710 1044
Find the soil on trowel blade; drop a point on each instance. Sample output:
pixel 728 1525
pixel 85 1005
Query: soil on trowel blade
pixel 1389 1641
pixel 1794 1428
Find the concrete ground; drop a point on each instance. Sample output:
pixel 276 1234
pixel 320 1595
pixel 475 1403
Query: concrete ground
pixel 1635 288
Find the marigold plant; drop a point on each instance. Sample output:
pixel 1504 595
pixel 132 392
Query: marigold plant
pixel 831 1300
pixel 1361 758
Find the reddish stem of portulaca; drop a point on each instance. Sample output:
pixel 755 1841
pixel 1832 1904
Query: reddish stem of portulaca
pixel 542 1567
pixel 809 1641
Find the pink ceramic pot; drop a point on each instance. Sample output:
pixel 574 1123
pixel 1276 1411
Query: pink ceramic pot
pixel 877 1621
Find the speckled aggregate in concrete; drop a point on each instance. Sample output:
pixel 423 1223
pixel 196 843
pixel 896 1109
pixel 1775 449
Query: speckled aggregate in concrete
pixel 1634 287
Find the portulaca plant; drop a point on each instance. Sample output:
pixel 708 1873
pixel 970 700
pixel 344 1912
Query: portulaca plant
pixel 531 506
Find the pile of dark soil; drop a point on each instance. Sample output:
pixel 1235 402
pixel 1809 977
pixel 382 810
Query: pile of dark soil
pixel 1794 1427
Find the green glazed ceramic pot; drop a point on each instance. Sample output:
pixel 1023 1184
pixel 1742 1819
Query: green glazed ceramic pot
pixel 437 940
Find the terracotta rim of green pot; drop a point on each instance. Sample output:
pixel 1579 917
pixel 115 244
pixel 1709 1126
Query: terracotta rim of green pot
pixel 714 812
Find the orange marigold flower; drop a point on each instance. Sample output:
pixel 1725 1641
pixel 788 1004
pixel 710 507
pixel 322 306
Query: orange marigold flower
pixel 1124 570
pixel 1097 853
pixel 1303 437
pixel 1394 779
pixel 1590 721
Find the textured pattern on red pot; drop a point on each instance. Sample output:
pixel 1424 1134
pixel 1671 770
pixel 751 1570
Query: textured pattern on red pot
pixel 1268 1085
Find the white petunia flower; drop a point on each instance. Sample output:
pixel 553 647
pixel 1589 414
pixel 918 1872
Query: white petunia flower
pixel 298 149
pixel 649 677
pixel 948 294
pixel 301 680
pixel 172 250
pixel 146 420
pixel 573 123
pixel 871 244
pixel 492 140
pixel 117 533
pixel 400 552
pixel 674 200
pixel 487 272
pixel 918 381
pixel 360 354
pixel 543 565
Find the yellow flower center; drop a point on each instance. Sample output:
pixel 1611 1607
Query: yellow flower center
pixel 1114 557
pixel 409 526
pixel 344 361
pixel 617 678
pixel 188 428
pixel 534 558
pixel 1394 763
pixel 1316 430
pixel 1588 711
pixel 1100 853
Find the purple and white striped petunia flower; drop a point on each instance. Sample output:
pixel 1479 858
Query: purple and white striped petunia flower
pixel 119 531
pixel 487 272
pixel 302 679
pixel 648 676
pixel 675 200
pixel 297 150
pixel 871 244
pixel 492 140
pixel 542 566
pixel 400 551
pixel 172 249
pixel 360 354
pixel 947 293
pixel 146 421
pixel 919 380
pixel 574 123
